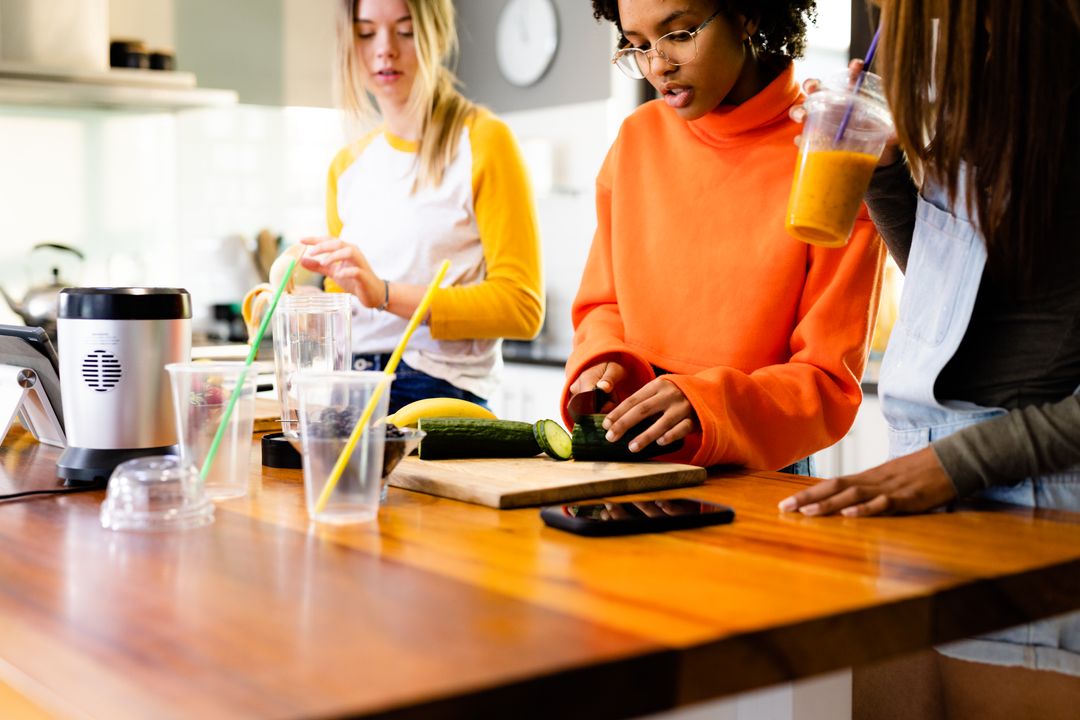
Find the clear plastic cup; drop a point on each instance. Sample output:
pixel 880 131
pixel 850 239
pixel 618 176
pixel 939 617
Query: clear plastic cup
pixel 399 442
pixel 833 170
pixel 201 393
pixel 311 333
pixel 158 492
pixel 330 406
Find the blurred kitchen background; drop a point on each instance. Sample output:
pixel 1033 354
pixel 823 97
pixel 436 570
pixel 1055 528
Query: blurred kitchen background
pixel 166 177
pixel 155 189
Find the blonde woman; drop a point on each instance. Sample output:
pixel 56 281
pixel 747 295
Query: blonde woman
pixel 438 178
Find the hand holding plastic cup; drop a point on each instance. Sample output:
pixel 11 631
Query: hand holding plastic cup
pixel 833 168
pixel 330 405
pixel 201 392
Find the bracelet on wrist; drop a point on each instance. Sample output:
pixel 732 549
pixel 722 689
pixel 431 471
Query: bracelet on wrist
pixel 386 296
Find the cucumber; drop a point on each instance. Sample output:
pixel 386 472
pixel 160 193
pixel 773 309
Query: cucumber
pixel 553 439
pixel 476 438
pixel 589 441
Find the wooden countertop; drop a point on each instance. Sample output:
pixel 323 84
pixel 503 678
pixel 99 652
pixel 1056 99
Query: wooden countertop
pixel 445 609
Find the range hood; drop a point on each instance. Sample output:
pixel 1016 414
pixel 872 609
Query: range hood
pixel 115 88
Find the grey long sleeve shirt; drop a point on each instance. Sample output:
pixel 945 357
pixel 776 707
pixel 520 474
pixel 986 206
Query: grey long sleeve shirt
pixel 1023 355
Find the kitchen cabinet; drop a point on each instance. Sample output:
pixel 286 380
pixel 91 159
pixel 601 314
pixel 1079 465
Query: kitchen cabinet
pixel 529 393
pixel 865 445
pixel 271 52
pixel 60 57
pixel 138 91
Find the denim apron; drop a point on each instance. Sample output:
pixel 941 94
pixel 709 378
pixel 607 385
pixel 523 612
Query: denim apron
pixel 944 269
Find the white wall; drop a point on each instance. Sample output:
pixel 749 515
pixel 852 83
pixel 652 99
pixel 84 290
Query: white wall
pixel 104 183
pixel 827 41
pixel 566 144
pixel 148 20
pixel 151 198
pixel 241 170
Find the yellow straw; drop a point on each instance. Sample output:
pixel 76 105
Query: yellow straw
pixel 391 365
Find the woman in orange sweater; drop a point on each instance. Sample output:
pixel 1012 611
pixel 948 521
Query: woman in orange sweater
pixel 695 305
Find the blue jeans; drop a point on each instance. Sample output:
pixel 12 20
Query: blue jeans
pixel 801 467
pixel 411 384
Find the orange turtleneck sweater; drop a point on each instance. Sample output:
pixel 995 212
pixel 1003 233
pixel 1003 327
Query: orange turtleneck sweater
pixel 691 272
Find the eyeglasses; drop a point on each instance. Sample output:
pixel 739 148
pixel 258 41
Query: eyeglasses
pixel 675 48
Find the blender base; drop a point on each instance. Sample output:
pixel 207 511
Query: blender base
pixel 87 467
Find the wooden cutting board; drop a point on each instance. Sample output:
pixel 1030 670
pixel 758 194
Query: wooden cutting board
pixel 520 482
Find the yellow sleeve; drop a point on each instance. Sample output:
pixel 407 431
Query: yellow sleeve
pixel 345 157
pixel 509 302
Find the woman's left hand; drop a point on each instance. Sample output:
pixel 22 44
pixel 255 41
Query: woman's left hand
pixel 912 483
pixel 889 155
pixel 678 418
pixel 343 263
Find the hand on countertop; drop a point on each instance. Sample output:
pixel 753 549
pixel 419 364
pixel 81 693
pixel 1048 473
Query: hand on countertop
pixel 912 483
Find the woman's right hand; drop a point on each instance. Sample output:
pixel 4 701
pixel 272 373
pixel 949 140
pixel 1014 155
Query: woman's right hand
pixel 604 376
pixel 889 156
pixel 343 263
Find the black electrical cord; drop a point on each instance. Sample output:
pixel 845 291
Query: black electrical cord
pixel 55 491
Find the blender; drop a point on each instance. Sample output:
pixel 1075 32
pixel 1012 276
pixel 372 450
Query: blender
pixel 312 332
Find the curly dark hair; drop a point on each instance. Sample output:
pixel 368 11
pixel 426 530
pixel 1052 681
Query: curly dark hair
pixel 781 23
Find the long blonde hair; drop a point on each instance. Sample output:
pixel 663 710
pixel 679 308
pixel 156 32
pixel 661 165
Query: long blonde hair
pixel 434 96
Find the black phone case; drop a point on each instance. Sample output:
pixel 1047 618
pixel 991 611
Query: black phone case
pixel 553 516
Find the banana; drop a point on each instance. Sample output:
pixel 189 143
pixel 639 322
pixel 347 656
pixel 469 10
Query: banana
pixel 254 306
pixel 409 415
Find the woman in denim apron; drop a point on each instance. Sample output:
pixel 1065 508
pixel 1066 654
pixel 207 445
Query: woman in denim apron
pixel 947 261
pixel 1028 177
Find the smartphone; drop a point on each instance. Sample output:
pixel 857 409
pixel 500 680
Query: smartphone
pixel 639 516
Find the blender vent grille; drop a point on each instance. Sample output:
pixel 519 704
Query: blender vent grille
pixel 101 370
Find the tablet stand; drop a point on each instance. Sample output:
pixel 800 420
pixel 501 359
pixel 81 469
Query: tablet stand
pixel 22 396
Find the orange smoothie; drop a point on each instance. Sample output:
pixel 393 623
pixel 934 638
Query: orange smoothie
pixel 825 195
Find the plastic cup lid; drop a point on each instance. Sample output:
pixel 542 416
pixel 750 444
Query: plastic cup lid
pixel 155 493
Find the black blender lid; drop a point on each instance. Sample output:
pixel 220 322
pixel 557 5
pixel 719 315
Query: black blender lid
pixel 278 452
pixel 124 303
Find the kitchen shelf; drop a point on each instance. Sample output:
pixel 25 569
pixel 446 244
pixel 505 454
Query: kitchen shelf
pixel 117 89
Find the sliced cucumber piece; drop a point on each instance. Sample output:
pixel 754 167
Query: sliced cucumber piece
pixel 553 439
pixel 590 441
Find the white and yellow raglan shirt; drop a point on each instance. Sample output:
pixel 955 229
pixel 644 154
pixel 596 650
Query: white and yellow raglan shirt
pixel 481 217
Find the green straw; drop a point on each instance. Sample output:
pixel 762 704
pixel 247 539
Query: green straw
pixel 247 364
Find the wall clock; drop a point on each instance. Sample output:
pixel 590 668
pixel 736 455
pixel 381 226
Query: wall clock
pixel 526 39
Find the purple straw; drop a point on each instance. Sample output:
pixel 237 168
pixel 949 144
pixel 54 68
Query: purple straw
pixel 858 86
